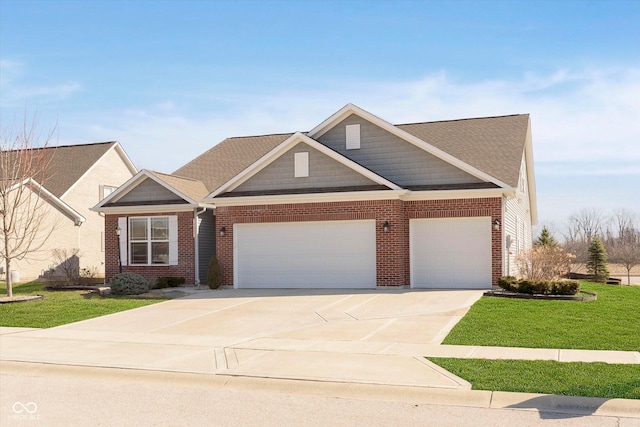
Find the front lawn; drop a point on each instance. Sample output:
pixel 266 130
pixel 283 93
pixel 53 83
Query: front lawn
pixel 60 307
pixel 548 377
pixel 610 323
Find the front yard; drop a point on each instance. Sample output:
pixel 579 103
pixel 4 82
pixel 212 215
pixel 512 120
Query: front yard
pixel 610 323
pixel 60 307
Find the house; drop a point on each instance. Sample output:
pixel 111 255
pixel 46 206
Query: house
pixel 356 202
pixel 77 177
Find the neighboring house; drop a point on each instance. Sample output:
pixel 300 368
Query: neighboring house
pixel 78 176
pixel 356 203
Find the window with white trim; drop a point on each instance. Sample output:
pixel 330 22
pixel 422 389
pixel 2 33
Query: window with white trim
pixel 149 240
pixel 106 190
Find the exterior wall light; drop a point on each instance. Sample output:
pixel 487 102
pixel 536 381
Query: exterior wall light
pixel 386 227
pixel 496 225
pixel 223 231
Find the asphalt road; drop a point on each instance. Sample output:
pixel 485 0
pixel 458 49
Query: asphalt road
pixel 53 396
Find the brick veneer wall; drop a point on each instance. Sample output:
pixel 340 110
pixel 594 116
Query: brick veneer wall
pixel 186 250
pixel 392 248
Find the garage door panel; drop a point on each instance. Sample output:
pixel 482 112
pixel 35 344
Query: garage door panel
pixel 450 252
pixel 328 254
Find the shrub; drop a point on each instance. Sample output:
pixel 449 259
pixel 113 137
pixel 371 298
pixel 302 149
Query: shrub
pixel 541 287
pixel 214 274
pixel 169 281
pixel 128 284
pixel 544 262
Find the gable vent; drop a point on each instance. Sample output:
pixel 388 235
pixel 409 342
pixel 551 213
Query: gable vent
pixel 301 166
pixel 353 137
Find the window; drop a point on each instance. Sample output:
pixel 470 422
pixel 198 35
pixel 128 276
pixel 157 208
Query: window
pixel 353 137
pixel 106 190
pixel 149 240
pixel 301 165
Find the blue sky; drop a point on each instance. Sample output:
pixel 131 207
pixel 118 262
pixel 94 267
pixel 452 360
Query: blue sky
pixel 170 79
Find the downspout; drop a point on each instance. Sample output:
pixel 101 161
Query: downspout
pixel 196 242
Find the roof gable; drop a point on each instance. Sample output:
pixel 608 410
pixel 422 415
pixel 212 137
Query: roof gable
pixel 154 188
pixel 350 109
pixel 394 158
pixel 325 173
pixel 67 164
pixel 282 148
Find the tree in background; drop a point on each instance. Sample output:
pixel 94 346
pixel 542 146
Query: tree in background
pixel 597 261
pixel 623 242
pixel 24 222
pixel 545 238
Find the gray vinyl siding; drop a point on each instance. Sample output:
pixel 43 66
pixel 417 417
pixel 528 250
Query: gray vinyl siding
pixel 517 222
pixel 324 172
pixel 206 242
pixel 394 158
pixel 149 191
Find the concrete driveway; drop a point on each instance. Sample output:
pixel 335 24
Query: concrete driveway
pixel 374 336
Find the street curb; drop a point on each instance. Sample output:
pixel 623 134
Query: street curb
pixel 573 405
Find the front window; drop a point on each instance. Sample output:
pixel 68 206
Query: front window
pixel 149 240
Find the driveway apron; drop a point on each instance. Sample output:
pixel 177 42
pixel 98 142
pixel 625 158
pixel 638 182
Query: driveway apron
pixel 375 336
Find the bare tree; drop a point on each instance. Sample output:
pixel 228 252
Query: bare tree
pixel 624 246
pixel 581 228
pixel 24 223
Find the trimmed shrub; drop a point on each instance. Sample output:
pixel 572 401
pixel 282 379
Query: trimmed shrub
pixel 214 274
pixel 128 284
pixel 540 287
pixel 170 282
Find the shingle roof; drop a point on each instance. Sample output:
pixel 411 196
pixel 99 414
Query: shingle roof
pixel 191 188
pixel 494 145
pixel 67 163
pixel 227 159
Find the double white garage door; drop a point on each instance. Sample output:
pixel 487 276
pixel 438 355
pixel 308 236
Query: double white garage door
pixel 445 253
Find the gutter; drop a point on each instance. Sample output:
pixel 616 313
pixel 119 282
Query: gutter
pixel 196 239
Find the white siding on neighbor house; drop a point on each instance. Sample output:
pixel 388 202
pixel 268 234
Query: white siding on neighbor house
pixel 517 227
pixel 323 172
pixel 109 170
pixel 64 234
pixel 394 158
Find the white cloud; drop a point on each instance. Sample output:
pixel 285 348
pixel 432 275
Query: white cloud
pixel 15 93
pixel 577 117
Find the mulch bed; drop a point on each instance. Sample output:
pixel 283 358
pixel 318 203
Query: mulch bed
pixel 582 296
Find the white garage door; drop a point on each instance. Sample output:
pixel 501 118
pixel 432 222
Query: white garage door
pixel 450 253
pixel 328 254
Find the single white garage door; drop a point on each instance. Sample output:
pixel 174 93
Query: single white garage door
pixel 450 252
pixel 327 254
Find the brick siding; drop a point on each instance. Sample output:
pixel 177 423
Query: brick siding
pixel 392 248
pixel 186 250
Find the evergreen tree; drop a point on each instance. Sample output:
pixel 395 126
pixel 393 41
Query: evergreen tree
pixel 597 261
pixel 546 239
pixel 214 273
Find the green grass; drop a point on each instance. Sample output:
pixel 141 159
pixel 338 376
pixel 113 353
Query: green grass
pixel 61 307
pixel 548 377
pixel 610 323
